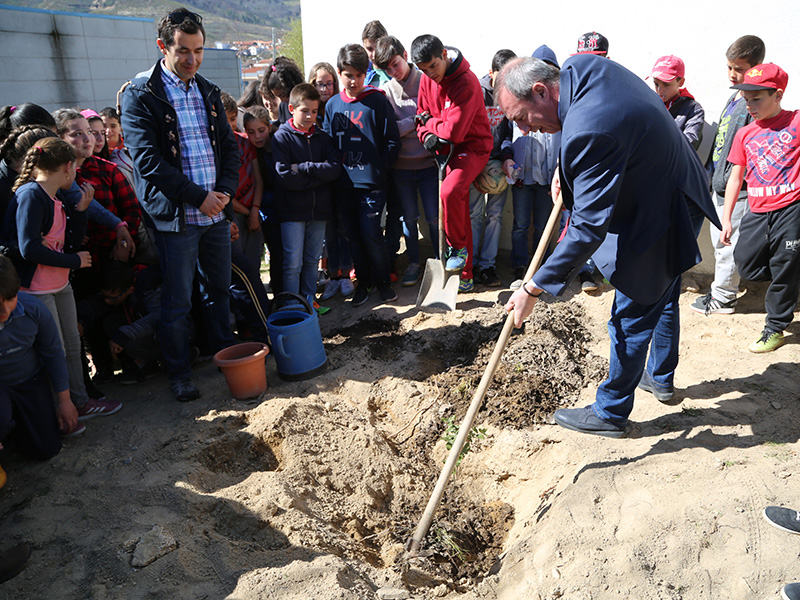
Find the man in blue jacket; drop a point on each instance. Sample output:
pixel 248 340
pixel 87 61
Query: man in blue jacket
pixel 186 164
pixel 627 175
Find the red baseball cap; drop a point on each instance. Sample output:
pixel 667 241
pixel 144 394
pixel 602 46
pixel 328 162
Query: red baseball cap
pixel 668 68
pixel 768 76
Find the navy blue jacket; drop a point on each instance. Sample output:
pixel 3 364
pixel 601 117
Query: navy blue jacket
pixel 364 130
pixel 306 194
pixel 627 174
pixel 29 218
pixel 151 135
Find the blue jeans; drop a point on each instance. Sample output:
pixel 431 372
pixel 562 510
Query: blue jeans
pixel 492 206
pixel 361 210
pixel 425 181
pixel 302 247
pixel 632 328
pixel 208 248
pixel 532 204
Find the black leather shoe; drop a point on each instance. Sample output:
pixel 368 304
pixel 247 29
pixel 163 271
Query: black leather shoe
pixel 13 560
pixel 585 421
pixel 662 394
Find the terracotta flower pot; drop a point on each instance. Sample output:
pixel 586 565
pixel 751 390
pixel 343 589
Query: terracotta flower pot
pixel 244 370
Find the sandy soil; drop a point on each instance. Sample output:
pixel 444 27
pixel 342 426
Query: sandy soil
pixel 310 491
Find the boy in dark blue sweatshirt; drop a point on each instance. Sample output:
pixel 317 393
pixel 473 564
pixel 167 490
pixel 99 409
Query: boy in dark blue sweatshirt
pixel 362 124
pixel 307 162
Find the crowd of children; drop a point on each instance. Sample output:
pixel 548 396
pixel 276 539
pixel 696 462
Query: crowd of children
pixel 329 180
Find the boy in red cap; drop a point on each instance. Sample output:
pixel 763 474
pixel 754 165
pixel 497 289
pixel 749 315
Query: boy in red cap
pixel 668 76
pixel 765 153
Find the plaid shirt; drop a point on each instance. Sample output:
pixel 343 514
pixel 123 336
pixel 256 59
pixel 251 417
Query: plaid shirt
pixel 114 192
pixel 197 156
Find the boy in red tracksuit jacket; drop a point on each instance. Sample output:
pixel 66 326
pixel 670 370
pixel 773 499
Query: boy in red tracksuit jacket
pixel 450 107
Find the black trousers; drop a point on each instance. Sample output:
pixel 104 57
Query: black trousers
pixel 769 250
pixel 29 409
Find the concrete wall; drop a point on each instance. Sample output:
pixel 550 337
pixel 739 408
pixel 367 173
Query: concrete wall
pixel 698 32
pixel 58 59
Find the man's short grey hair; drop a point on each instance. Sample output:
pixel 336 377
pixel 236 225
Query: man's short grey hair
pixel 519 75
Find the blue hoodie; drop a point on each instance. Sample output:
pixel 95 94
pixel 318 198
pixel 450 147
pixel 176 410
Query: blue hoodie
pixel 306 193
pixel 364 131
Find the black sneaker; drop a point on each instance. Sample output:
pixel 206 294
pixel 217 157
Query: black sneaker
pixel 184 390
pixel 133 374
pixel 361 295
pixel 785 519
pixel 588 284
pixel 489 278
pixel 386 293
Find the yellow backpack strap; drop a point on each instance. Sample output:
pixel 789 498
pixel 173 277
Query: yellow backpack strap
pixel 119 95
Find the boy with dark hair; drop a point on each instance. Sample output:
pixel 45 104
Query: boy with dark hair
pixel 363 127
pixel 766 153
pixel 373 31
pixel 32 365
pixel 306 162
pixel 486 210
pixel 415 171
pixel 744 54
pixel 668 76
pixel 450 108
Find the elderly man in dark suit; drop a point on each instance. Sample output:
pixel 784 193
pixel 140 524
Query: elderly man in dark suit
pixel 627 174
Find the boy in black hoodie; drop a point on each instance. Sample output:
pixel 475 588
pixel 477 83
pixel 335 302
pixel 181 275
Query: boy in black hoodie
pixel 306 162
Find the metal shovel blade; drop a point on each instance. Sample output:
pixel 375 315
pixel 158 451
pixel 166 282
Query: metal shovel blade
pixel 439 289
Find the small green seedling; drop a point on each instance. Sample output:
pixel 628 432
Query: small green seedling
pixel 451 432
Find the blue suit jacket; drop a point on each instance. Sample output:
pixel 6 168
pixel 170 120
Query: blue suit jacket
pixel 627 173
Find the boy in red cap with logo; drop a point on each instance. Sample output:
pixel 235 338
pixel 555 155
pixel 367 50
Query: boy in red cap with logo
pixel 765 154
pixel 668 76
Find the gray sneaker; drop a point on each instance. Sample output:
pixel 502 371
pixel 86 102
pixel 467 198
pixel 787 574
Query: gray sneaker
pixel 708 305
pixel 785 519
pixel 411 275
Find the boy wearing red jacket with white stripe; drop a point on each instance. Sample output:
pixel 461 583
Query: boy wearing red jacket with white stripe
pixel 450 107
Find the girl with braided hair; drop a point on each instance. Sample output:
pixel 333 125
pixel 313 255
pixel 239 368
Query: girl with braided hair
pixel 49 233
pixel 12 152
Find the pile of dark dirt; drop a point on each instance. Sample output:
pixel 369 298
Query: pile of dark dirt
pixel 543 368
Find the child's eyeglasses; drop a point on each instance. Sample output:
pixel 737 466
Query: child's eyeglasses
pixel 179 16
pixel 324 86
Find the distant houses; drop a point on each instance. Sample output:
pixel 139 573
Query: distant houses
pixel 247 50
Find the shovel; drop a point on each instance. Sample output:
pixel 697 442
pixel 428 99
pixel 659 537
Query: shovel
pixel 439 289
pixel 412 545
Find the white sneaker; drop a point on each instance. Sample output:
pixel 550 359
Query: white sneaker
pixel 346 287
pixel 331 289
